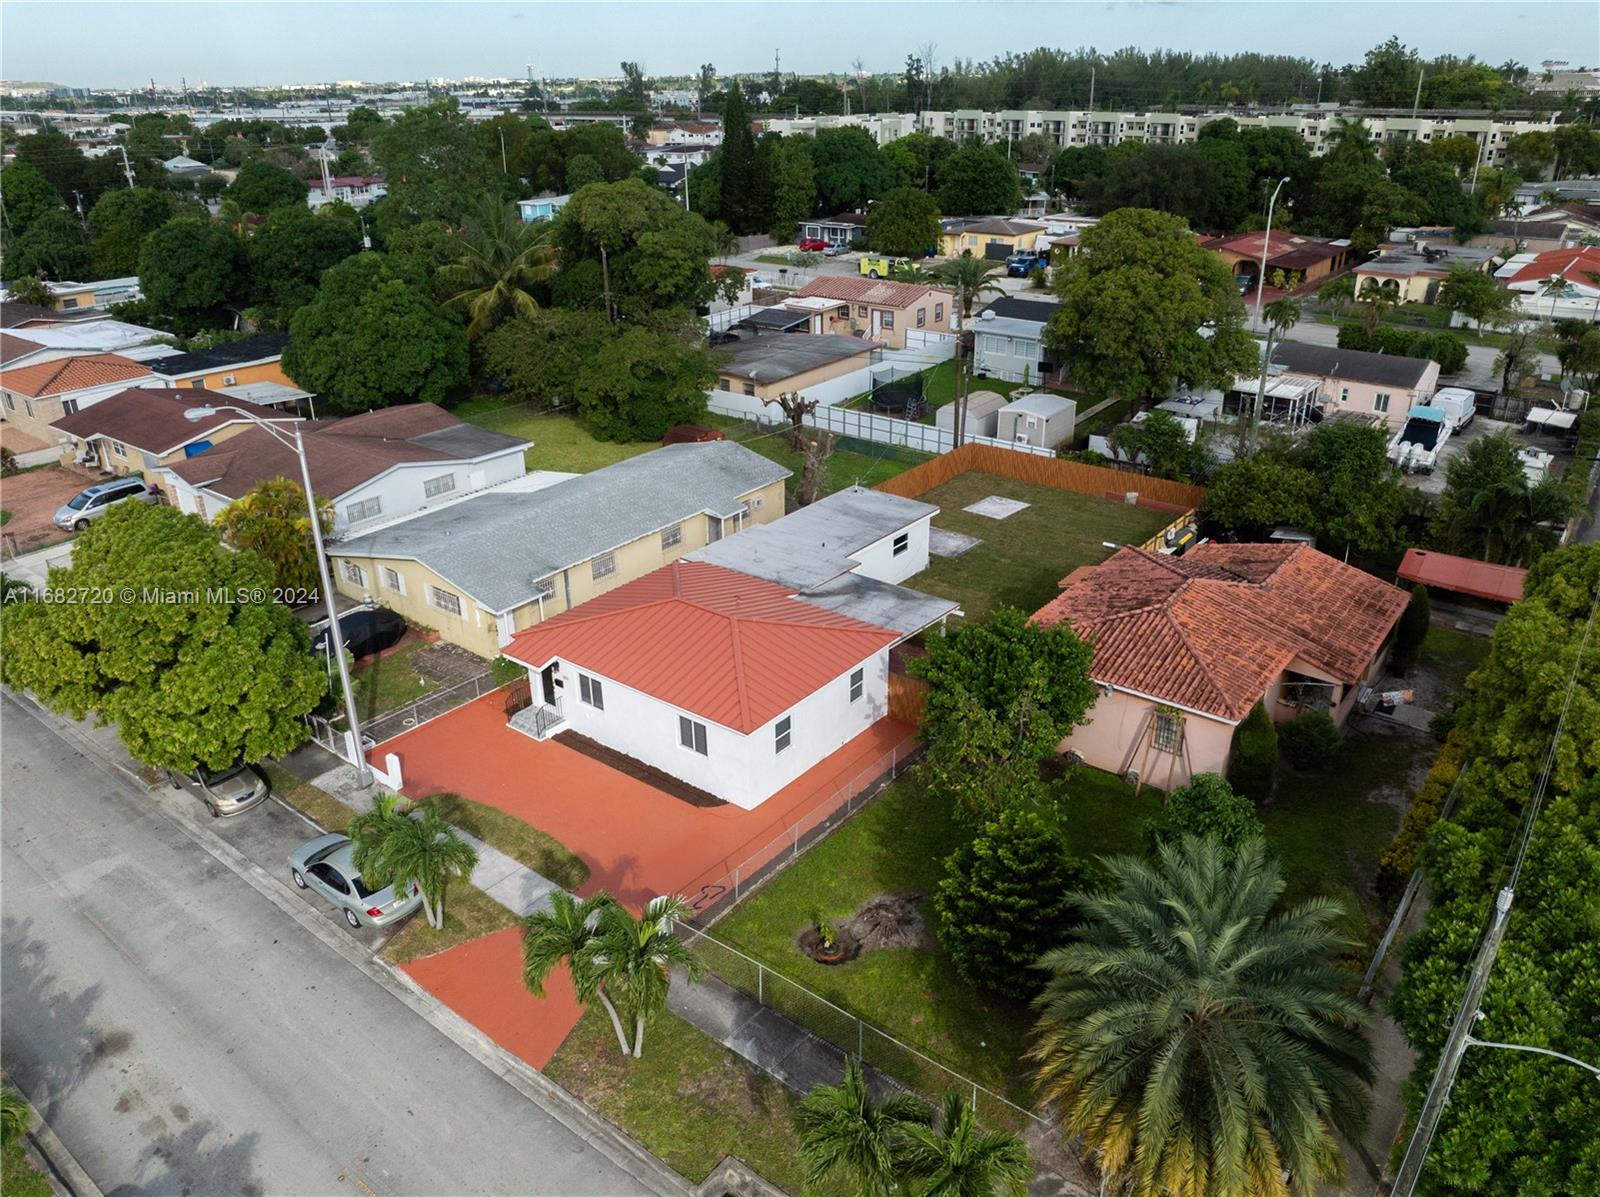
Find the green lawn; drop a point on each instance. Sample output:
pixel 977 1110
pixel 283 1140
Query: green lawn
pixel 18 1176
pixel 846 467
pixel 1023 558
pixel 322 808
pixel 540 851
pixel 389 682
pixel 469 914
pixel 559 441
pixel 1452 655
pixel 688 1099
pixel 939 388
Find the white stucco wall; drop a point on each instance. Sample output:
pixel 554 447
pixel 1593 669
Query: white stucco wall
pixel 400 489
pixel 741 769
pixel 879 561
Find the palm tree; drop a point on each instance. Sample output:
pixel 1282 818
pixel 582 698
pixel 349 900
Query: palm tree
pixel 423 848
pixel 968 277
pixel 960 1160
pixel 568 931
pixel 369 833
pixel 845 1133
pixel 1281 315
pixel 1338 292
pixel 636 957
pixel 1373 302
pixel 1202 1041
pixel 1350 140
pixel 500 260
pixel 910 272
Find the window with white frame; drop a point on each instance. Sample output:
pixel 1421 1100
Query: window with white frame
pixel 1168 731
pixel 119 448
pixel 591 692
pixel 1344 394
pixel 354 574
pixel 672 536
pixel 393 581
pixel 603 566
pixel 1380 401
pixel 780 735
pixel 545 588
pixel 445 600
pixel 432 488
pixel 363 509
pixel 858 684
pixel 902 543
pixel 692 734
pixel 68 406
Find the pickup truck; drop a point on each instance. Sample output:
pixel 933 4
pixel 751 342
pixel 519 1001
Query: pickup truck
pixel 876 266
pixel 1021 265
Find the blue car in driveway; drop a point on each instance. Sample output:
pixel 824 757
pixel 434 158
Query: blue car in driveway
pixel 326 867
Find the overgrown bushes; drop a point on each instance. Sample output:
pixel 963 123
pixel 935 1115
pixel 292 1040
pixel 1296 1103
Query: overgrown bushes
pixel 1311 741
pixel 1412 630
pixel 1400 857
pixel 1449 350
pixel 1255 755
pixel 1207 806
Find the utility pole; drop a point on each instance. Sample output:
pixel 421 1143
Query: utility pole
pixel 1091 89
pixel 127 170
pixel 503 168
pixel 1416 101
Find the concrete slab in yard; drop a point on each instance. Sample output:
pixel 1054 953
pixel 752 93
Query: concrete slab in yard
pixel 997 507
pixel 944 543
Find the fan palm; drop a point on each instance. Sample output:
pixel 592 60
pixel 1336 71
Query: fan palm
pixel 500 260
pixel 958 1159
pixel 423 848
pixel 635 957
pixel 567 932
pixel 1201 1041
pixel 968 277
pixel 845 1133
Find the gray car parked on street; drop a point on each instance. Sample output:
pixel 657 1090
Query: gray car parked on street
pixel 326 866
pixel 226 791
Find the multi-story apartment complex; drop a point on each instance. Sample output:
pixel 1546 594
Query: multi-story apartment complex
pixel 1315 126
pixel 884 126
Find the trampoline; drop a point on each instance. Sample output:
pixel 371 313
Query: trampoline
pixel 899 397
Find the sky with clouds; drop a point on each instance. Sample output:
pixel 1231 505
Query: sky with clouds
pixel 231 42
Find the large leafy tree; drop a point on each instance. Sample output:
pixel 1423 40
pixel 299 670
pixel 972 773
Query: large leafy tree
pixel 979 180
pixel 848 1137
pixel 53 247
pixel 1473 293
pixel 260 187
pixel 1199 1038
pixel 737 165
pixel 1490 510
pixel 118 224
pixel 28 196
pixel 288 253
pixel 188 268
pixel 1254 494
pixel 190 658
pixel 56 157
pixel 373 337
pixel 1144 308
pixel 272 522
pixel 1359 498
pixel 918 156
pixel 905 221
pixel 850 170
pixel 1004 901
pixel 793 184
pixel 433 166
pixel 500 262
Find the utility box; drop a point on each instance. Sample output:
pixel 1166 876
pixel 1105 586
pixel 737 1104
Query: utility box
pixel 1041 419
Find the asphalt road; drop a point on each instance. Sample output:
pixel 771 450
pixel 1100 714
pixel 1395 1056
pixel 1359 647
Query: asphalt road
pixel 184 1035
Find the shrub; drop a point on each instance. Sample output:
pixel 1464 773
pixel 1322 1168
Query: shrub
pixel 1004 902
pixel 1255 755
pixel 1413 629
pixel 1399 859
pixel 1449 350
pixel 1311 741
pixel 1207 806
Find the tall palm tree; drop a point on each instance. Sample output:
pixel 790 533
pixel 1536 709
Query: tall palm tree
pixel 844 1133
pixel 500 260
pixel 423 848
pixel 958 1159
pixel 1350 141
pixel 1281 315
pixel 969 277
pixel 1373 301
pixel 567 932
pixel 635 956
pixel 369 832
pixel 1197 1037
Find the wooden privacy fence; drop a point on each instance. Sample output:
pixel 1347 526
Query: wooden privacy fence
pixel 1043 471
pixel 906 698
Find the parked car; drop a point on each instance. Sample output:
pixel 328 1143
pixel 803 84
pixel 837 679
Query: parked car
pixel 813 245
pixel 226 792
pixel 839 249
pixel 326 867
pixel 92 502
pixel 1021 265
pixel 364 631
pixel 879 266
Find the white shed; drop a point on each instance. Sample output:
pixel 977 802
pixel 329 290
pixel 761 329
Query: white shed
pixel 983 409
pixel 1041 419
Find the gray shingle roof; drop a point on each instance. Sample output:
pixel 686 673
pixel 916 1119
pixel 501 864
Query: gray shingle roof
pixel 499 547
pixel 775 358
pixel 1327 361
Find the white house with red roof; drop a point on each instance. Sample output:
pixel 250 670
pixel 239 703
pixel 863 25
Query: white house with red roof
pixel 733 684
pixel 1559 284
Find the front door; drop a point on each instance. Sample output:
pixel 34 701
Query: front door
pixel 877 323
pixel 547 679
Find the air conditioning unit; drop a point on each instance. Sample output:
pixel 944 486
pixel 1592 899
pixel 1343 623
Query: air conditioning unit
pixel 228 380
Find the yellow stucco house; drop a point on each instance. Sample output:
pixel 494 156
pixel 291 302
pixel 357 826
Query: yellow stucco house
pixel 992 237
pixel 486 567
pixel 251 369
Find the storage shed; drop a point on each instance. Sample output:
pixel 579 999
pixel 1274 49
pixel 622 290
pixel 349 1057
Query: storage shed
pixel 983 411
pixel 1041 419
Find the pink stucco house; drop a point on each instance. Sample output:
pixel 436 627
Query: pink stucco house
pixel 1354 380
pixel 1185 646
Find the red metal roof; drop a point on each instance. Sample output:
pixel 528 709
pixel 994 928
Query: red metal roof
pixel 1574 265
pixel 1211 630
pixel 1463 575
pixel 730 648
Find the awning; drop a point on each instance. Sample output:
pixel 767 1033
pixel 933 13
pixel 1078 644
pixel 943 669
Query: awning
pixel 1462 575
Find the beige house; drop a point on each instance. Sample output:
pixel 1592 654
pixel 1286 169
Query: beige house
pixel 482 569
pixel 878 310
pixel 36 396
pixel 991 237
pixel 826 367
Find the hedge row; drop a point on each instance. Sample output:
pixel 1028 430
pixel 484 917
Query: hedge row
pixel 1576 480
pixel 1399 859
pixel 1449 350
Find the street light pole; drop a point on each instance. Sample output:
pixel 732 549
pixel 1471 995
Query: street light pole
pixel 1266 246
pixel 363 772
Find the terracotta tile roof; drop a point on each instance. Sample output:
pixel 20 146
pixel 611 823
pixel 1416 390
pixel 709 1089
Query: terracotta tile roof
pixel 73 374
pixel 1571 264
pixel 152 418
pixel 733 649
pixel 12 347
pixel 856 289
pixel 1211 630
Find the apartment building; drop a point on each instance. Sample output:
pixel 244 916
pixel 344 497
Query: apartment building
pixel 884 126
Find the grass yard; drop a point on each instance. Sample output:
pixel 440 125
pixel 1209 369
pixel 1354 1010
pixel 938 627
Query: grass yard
pixel 468 914
pixel 18 1176
pixel 389 682
pixel 1452 655
pixel 846 467
pixel 1023 558
pixel 541 852
pixel 688 1099
pixel 317 805
pixel 559 441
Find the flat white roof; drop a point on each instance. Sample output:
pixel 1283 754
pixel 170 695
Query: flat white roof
pixel 1042 403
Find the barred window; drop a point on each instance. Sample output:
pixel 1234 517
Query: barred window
pixel 445 600
pixel 442 485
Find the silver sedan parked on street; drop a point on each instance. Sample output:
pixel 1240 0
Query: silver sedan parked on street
pixel 326 866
